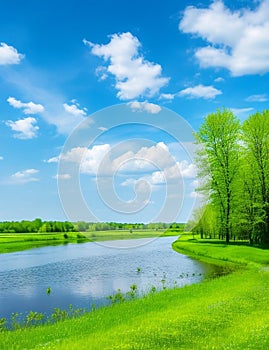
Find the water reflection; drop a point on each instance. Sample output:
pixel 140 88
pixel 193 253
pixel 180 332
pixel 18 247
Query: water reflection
pixel 85 274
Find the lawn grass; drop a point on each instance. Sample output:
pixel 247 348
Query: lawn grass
pixel 11 242
pixel 231 312
pixel 127 234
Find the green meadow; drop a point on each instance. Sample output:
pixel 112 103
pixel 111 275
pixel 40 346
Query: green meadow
pixel 11 242
pixel 228 312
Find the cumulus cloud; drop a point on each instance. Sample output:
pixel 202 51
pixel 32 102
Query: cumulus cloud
pixel 24 176
pixel 24 128
pixel 52 160
pixel 1 157
pixel 167 96
pixel 9 55
pixel 200 91
pixel 236 40
pixel 144 106
pixel 89 159
pixel 74 110
pixel 134 75
pixel 219 80
pixel 102 128
pixel 28 108
pixel 257 98
pixel 143 160
pixel 182 169
pixel 238 111
pixel 62 176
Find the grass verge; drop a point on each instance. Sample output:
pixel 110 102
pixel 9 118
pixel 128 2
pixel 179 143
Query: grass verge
pixel 11 242
pixel 231 312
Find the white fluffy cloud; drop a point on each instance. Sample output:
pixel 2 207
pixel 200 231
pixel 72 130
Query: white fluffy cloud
pixel 52 160
pixel 134 75
pixel 257 98
pixel 74 110
pixel 62 176
pixel 143 160
pixel 200 91
pixel 1 157
pixel 24 128
pixel 167 96
pixel 28 108
pixel 236 40
pixel 219 80
pixel 238 111
pixel 9 55
pixel 145 106
pixel 172 173
pixel 24 176
pixel 89 159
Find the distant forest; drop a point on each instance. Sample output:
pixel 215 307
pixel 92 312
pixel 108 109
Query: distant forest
pixel 40 226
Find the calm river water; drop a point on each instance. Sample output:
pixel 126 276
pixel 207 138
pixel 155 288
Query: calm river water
pixel 85 274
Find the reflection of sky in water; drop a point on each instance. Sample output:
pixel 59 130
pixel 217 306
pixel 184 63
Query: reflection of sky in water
pixel 87 273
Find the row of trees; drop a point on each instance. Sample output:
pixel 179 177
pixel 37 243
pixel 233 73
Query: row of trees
pixel 233 166
pixel 35 226
pixel 38 225
pixel 106 226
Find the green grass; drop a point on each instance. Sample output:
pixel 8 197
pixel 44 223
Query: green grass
pixel 126 234
pixel 231 312
pixel 11 242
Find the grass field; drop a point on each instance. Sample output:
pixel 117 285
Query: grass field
pixel 231 312
pixel 11 242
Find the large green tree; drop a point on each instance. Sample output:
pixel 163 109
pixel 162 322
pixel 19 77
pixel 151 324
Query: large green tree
pixel 218 159
pixel 256 150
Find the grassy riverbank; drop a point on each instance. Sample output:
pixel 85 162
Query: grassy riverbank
pixel 231 312
pixel 11 242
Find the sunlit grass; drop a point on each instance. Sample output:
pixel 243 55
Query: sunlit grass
pixel 11 242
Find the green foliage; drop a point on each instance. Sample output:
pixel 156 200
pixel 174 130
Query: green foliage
pixel 34 318
pixel 3 323
pixel 233 165
pixel 59 315
pixel 35 226
pixel 118 297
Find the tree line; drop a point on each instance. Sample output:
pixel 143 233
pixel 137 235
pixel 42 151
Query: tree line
pixel 233 168
pixel 39 226
pixel 35 226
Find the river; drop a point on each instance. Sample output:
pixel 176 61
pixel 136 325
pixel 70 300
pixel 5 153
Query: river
pixel 85 274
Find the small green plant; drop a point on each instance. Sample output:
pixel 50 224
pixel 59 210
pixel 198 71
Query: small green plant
pixel 59 315
pixel 48 291
pixel 3 322
pixel 15 323
pixel 163 281
pixel 153 290
pixel 117 297
pixel 75 312
pixel 138 270
pixel 34 318
pixel 133 291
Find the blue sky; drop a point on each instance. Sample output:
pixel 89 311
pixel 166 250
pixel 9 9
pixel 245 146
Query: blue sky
pixel 87 86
